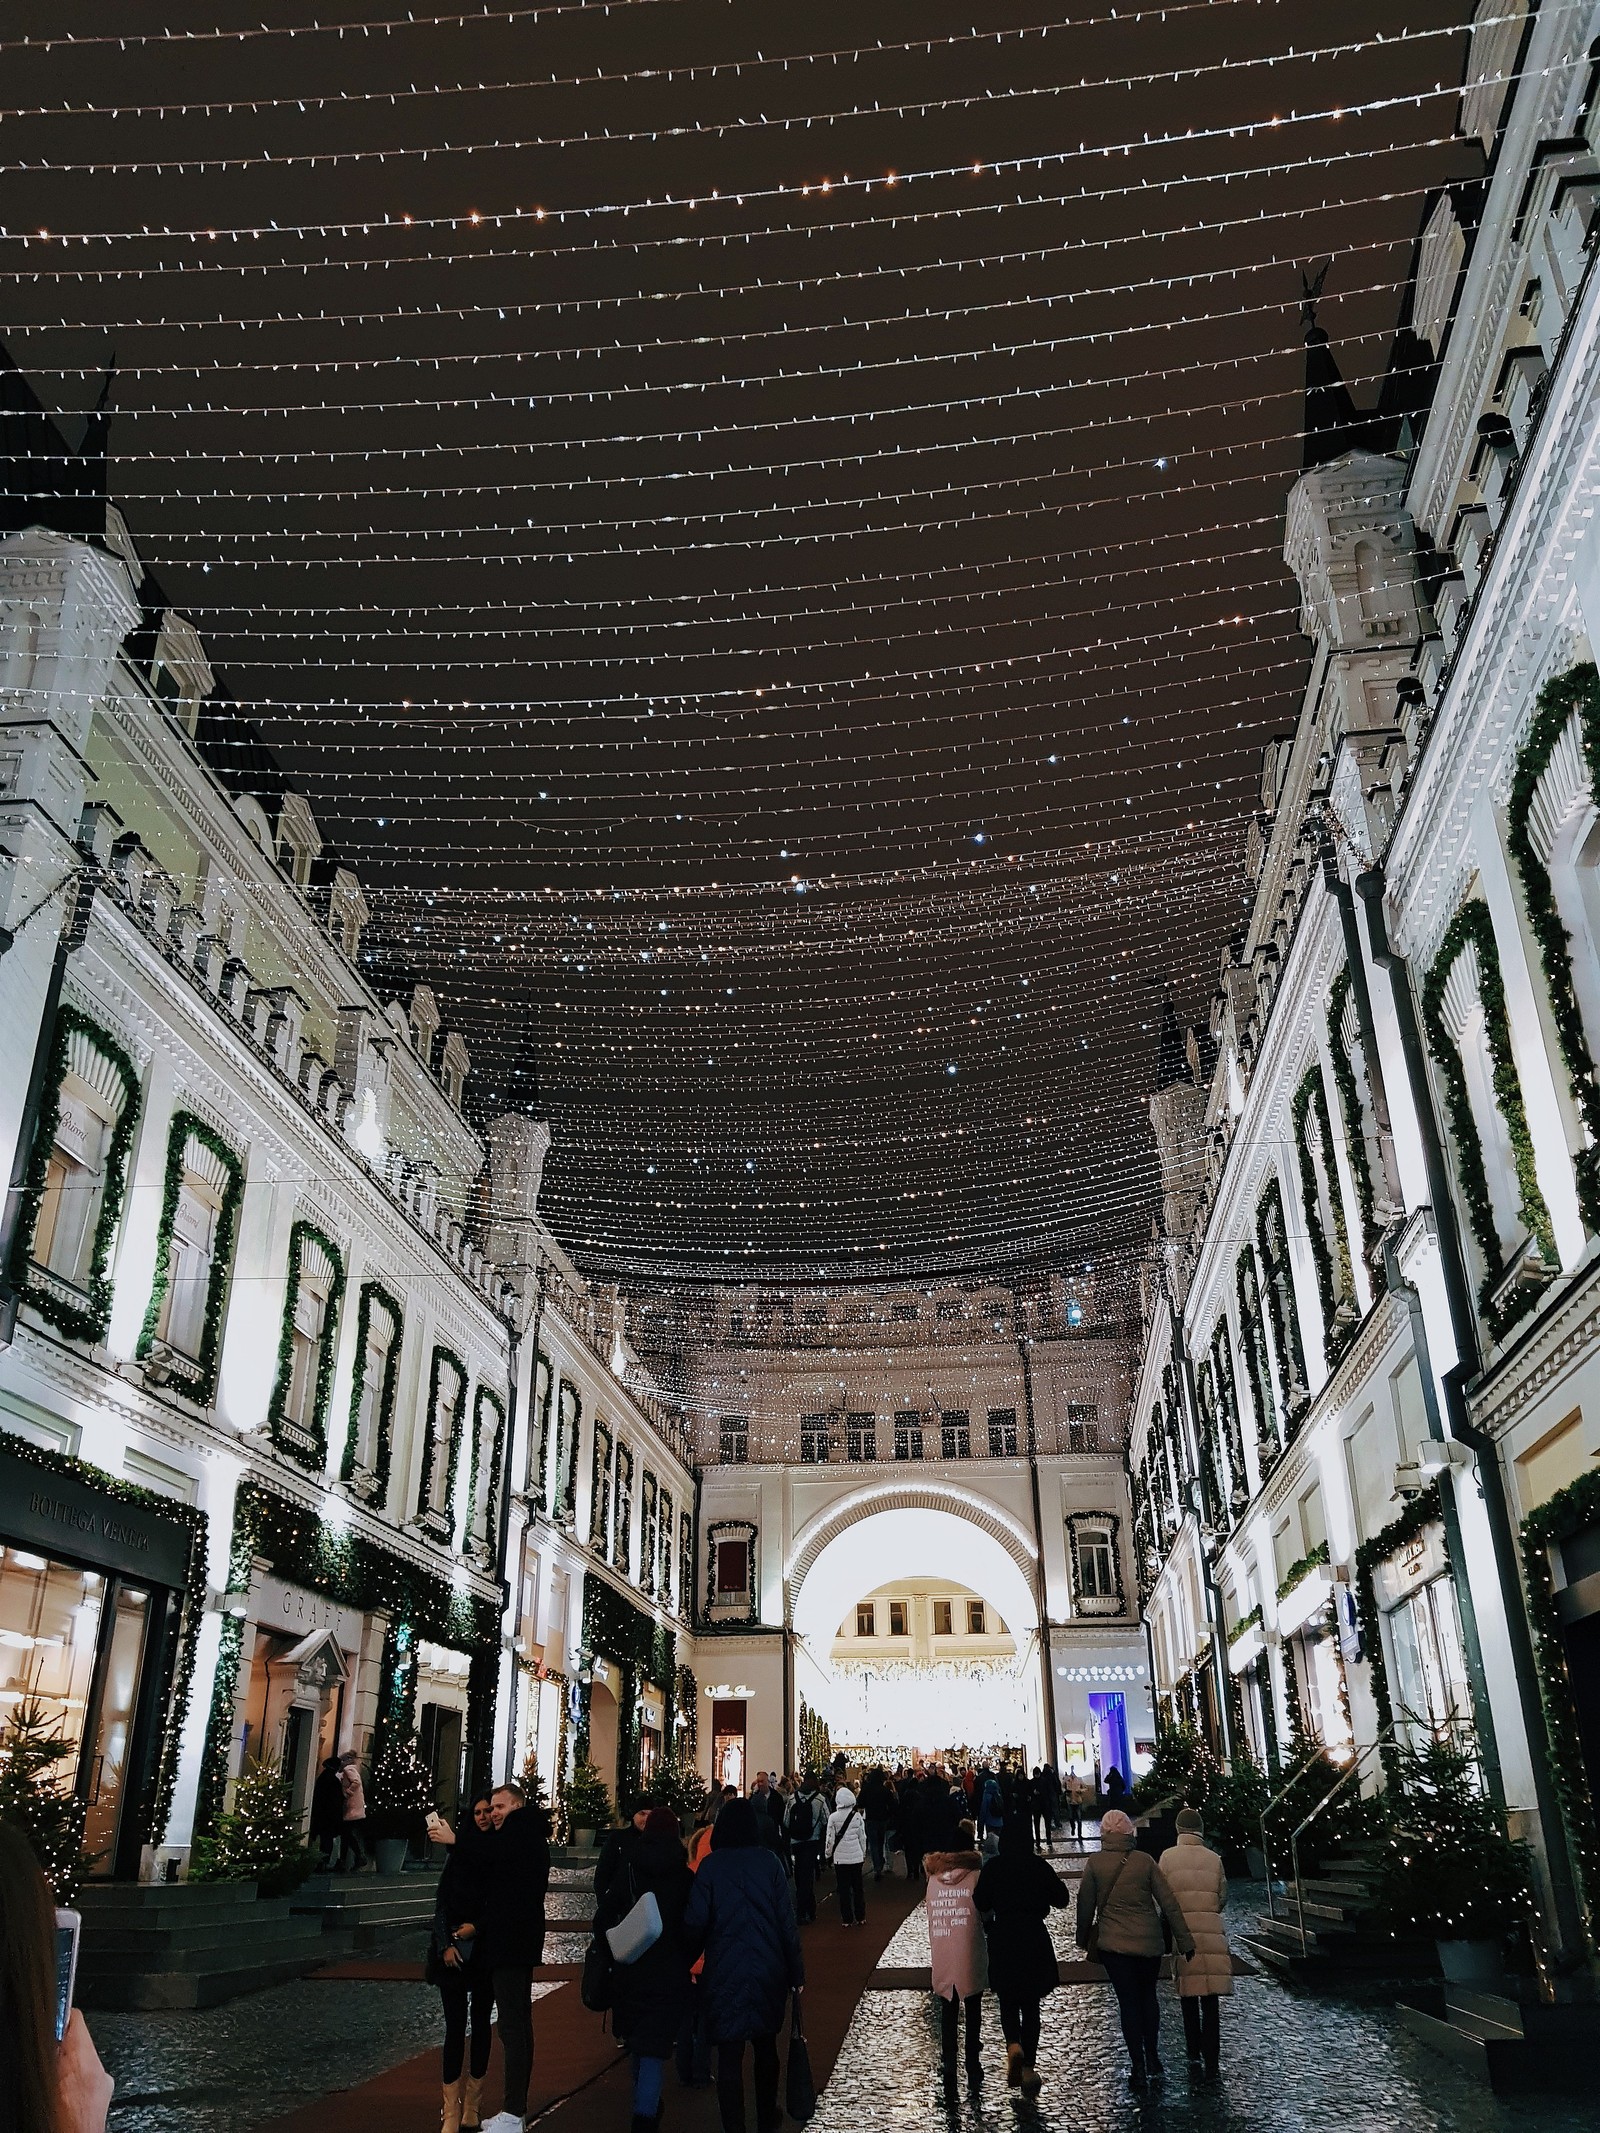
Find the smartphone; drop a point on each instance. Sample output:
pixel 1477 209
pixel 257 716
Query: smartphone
pixel 435 1821
pixel 68 1926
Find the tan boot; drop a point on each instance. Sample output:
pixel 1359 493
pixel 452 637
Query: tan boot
pixel 451 2121
pixel 472 2107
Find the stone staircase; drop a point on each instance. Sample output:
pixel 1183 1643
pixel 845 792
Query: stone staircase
pixel 1518 2047
pixel 191 1944
pixel 1345 1948
pixel 367 1909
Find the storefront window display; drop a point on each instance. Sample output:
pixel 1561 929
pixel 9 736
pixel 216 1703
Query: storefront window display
pixel 1417 1597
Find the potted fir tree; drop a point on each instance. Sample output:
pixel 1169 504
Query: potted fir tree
pixel 36 1794
pixel 258 1839
pixel 586 1803
pixel 398 1801
pixel 1451 1869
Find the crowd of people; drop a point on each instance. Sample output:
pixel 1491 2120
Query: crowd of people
pixel 711 1977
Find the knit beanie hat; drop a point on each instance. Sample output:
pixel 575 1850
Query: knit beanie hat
pixel 1114 1823
pixel 1190 1819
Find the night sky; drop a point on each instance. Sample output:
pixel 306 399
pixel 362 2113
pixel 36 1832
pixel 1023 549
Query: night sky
pixel 786 652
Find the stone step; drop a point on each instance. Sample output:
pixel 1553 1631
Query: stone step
pixel 192 1944
pixel 1484 2034
pixel 147 1991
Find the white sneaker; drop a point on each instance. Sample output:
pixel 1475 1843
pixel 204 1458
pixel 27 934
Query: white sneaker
pixel 503 2122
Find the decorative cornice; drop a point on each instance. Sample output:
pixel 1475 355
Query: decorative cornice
pixel 1565 1333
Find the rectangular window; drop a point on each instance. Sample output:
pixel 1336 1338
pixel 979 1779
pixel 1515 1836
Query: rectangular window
pixel 949 1309
pixel 861 1437
pixel 1002 1433
pixel 305 1352
pixel 734 1431
pixel 976 1624
pixel 897 1618
pixel 944 1613
pixel 665 1530
pixel 906 1314
pixel 528 1600
pixel 449 1393
pixel 74 1181
pixel 866 1619
pixel 955 1434
pixel 733 1568
pixel 1083 1426
pixel 908 1434
pixel 1095 1568
pixel 375 1364
pixel 813 1440
pixel 181 1319
pixel 622 1529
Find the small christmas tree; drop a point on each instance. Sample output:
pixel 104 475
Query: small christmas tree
pixel 585 1800
pixel 36 1797
pixel 680 1786
pixel 401 1793
pixel 259 1839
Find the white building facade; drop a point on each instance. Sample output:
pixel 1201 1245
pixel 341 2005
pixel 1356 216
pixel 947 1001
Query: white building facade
pixel 1367 1420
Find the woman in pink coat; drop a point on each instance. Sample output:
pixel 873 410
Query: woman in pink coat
pixel 957 1950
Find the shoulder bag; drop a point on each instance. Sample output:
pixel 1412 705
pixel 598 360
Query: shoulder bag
pixel 1091 1945
pixel 800 2091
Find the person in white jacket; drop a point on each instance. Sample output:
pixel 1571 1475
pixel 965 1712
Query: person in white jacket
pixel 1194 1874
pixel 847 1848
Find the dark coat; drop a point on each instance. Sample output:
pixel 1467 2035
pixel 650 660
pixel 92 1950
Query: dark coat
pixel 619 1848
pixel 1014 1895
pixel 651 1994
pixel 327 1805
pixel 465 1892
pixel 741 1917
pixel 518 1875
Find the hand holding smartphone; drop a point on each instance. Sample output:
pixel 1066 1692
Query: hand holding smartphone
pixel 69 1924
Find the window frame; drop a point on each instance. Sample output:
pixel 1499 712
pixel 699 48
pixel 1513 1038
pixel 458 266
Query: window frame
pixel 306 1363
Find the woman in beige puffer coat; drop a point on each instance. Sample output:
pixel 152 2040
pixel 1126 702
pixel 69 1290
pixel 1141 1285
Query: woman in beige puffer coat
pixel 1194 1874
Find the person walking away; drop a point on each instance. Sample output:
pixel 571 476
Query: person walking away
pixel 1122 1899
pixel 519 1867
pixel 651 1994
pixel 913 1824
pixel 353 1822
pixel 991 1813
pixel 45 2087
pixel 958 1954
pixel 694 2049
pixel 458 1965
pixel 1194 1874
pixel 876 1809
pixel 1116 1789
pixel 327 1811
pixel 1077 1800
pixel 1015 1893
pixel 1039 1807
pixel 804 1829
pixel 846 1845
pixel 741 1919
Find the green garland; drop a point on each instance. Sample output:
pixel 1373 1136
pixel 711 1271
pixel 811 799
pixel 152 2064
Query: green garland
pixel 312 1457
pixel 1258 1364
pixel 90 1320
pixel 374 1294
pixel 1422 1511
pixel 430 1444
pixel 622 1514
pixel 1227 1397
pixel 648 1533
pixel 1310 1107
pixel 569 1428
pixel 1281 1311
pixel 1355 1132
pixel 686 1565
pixel 1472 926
pixel 481 1399
pixel 600 1488
pixel 354 1572
pixel 1572 1510
pixel 186 1126
pixel 1313 1559
pixel 1575 694
pixel 155 1808
pixel 1244 1625
pixel 539 1432
pixel 641 1649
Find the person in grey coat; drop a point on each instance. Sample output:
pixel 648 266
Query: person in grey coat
pixel 1123 1898
pixel 741 1918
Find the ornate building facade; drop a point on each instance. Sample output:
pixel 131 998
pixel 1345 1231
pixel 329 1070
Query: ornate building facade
pixel 1367 1419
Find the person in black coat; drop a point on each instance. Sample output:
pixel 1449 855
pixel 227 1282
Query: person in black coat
pixel 519 1867
pixel 741 1918
pixel 459 1965
pixel 651 1994
pixel 327 1810
pixel 1016 1892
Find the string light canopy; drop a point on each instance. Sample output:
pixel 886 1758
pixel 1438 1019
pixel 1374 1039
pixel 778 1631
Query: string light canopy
pixel 756 533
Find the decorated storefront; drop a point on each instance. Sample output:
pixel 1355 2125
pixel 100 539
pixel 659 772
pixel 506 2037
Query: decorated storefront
pixel 102 1586
pixel 630 1690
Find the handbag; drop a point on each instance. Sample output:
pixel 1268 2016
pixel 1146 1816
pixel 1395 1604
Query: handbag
pixel 1091 1940
pixel 800 2091
pixel 597 1985
pixel 632 1935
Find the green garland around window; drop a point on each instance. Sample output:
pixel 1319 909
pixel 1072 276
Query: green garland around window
pixel 1272 1241
pixel 353 1571
pixel 1571 1511
pixel 186 1126
pixel 1331 1260
pixel 1473 927
pixel 374 1296
pixel 648 1533
pixel 600 1488
pixel 1573 695
pixel 1355 1132
pixel 686 1565
pixel 442 1358
pixel 642 1649
pixel 154 1809
pixel 1313 1559
pixel 313 1456
pixel 1420 1513
pixel 1244 1625
pixel 484 1398
pixel 87 1321
pixel 539 1430
pixel 1258 1368
pixel 622 1514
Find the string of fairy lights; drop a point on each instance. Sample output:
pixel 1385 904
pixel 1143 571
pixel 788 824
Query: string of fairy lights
pixel 798 744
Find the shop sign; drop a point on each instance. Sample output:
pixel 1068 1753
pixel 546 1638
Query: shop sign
pixel 59 1515
pixel 1410 1567
pixel 294 1612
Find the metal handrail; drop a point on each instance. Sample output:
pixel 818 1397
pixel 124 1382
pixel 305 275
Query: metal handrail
pixel 1277 1800
pixel 1358 1762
